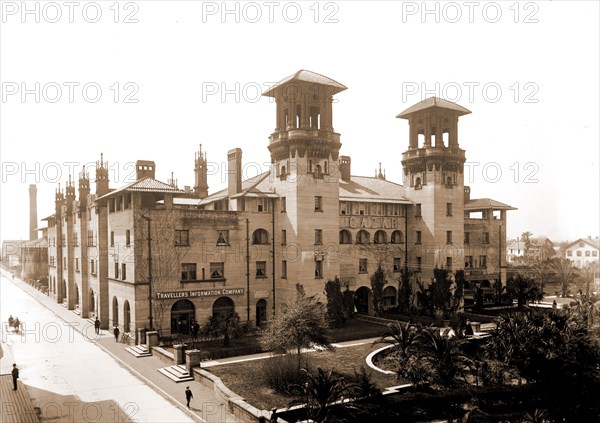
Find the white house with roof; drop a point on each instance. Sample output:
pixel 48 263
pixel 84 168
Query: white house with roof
pixel 583 252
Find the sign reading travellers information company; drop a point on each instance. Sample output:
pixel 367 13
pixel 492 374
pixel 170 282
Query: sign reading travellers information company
pixel 200 293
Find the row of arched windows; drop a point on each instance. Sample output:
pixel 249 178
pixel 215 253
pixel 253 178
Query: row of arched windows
pixel 364 237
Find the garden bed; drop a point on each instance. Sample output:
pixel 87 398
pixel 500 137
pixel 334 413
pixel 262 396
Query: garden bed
pixel 245 378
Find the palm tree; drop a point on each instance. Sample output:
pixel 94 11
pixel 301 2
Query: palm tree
pixel 401 336
pixel 320 391
pixel 565 273
pixel 526 236
pixel 443 356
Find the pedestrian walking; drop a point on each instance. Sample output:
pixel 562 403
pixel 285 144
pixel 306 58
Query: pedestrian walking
pixel 554 305
pixel 188 396
pixel 15 376
pixel 97 326
pixel 116 332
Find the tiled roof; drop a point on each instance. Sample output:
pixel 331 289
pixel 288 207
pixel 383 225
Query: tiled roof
pixel 145 185
pixel 36 243
pixel 307 76
pixel 364 188
pixel 485 204
pixel 258 184
pixel 431 102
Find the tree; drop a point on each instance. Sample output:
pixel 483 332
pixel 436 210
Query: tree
pixel 335 304
pixel 526 236
pixel 524 289
pixel 301 324
pixel 405 293
pixel 377 282
pixel 565 273
pixel 319 392
pixel 226 325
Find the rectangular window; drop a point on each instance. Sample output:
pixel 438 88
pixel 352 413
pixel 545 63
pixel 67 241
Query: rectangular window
pixel 90 240
pixel 569 253
pixel 587 253
pixel 182 237
pixel 283 269
pixel 486 238
pixel 64 262
pixel 283 205
pixel 283 237
pixel 261 269
pixel 448 209
pixel 188 271
pixel 482 261
pixel 362 265
pixel 217 270
pixel 262 204
pixel 127 201
pixel 318 269
pixel 468 261
pixel 127 238
pixel 467 237
pixel 112 239
pixel 318 236
pixel 75 239
pixel 93 267
pixel 594 253
pixel 448 237
pixel 418 264
pixel 418 210
pixel 343 207
pixel 448 263
pixel 418 241
pixel 395 210
pixel 116 270
pixel 222 237
pixel 578 253
pixel 123 271
pixel 397 265
pixel 77 264
pixel 318 203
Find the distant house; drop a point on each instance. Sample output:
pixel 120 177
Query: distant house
pixel 537 249
pixel 583 251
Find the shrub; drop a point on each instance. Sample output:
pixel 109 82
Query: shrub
pixel 282 374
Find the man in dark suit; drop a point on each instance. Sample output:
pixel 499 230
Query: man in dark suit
pixel 15 376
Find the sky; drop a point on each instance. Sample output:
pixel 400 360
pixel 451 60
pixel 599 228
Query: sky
pixel 152 80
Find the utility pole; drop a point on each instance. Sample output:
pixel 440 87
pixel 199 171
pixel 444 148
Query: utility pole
pixel 247 270
pixel 147 219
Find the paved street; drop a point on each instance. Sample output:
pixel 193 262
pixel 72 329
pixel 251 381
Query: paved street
pixel 68 376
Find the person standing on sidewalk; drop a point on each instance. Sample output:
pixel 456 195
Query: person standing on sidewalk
pixel 15 376
pixel 188 396
pixel 97 326
pixel 116 332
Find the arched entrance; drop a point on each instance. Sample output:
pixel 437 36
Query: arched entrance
pixel 389 297
pixel 64 291
pixel 182 315
pixel 362 300
pixel 115 311
pixel 126 316
pixel 77 302
pixel 223 305
pixel 261 312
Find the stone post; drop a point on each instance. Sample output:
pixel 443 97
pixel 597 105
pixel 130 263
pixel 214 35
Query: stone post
pixel 141 336
pixel 151 339
pixel 192 359
pixel 179 353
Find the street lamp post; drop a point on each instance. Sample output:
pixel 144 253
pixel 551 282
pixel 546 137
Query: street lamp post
pixel 499 290
pixel 147 219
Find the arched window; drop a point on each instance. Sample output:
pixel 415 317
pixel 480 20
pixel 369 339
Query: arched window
pixel 418 182
pixel 363 237
pixel 260 237
pixel 397 237
pixel 318 172
pixel 223 306
pixel 345 237
pixel 389 296
pixel 283 173
pixel 380 237
pixel 449 180
pixel 126 316
pixel 115 316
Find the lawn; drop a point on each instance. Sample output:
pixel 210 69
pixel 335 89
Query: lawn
pixel 245 378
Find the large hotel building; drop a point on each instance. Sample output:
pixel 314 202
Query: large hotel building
pixel 113 252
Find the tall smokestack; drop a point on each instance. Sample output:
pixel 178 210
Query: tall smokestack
pixel 33 212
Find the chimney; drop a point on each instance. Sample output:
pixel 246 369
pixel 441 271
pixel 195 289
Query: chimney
pixel 467 194
pixel 32 212
pixel 145 169
pixel 344 164
pixel 234 171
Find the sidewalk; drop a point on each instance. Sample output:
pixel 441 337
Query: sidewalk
pixel 15 406
pixel 206 407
